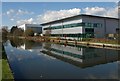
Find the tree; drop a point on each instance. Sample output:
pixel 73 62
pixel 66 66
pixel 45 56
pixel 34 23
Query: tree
pixel 13 29
pixel 18 32
pixel 47 35
pixel 4 32
pixel 29 32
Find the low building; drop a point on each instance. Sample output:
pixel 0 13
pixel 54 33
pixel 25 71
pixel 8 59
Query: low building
pixel 37 28
pixel 81 26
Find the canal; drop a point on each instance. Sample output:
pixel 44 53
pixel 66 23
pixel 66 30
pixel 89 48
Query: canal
pixel 40 60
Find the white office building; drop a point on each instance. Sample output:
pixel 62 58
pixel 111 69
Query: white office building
pixel 37 28
pixel 81 26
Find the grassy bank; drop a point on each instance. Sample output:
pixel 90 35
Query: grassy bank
pixel 0 69
pixel 6 71
pixel 101 40
pixel 92 40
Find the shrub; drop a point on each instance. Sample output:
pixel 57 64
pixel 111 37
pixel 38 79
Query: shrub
pixel 29 32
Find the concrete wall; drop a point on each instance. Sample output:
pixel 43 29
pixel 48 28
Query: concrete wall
pixel 99 32
pixel 111 25
pixel 108 25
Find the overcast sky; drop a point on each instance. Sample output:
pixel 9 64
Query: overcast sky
pixel 18 13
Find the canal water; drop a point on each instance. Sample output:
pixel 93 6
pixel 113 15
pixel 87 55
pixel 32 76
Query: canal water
pixel 38 60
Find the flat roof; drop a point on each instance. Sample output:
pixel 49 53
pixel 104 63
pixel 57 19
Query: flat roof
pixel 77 16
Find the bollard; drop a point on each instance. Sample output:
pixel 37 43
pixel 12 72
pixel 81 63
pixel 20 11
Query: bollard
pixel 66 41
pixel 87 44
pixel 103 45
pixel 75 42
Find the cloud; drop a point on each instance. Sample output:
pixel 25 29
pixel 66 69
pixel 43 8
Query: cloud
pixel 12 19
pixel 113 12
pixel 52 15
pixel 11 11
pixel 55 15
pixel 22 12
pixel 100 11
pixel 25 21
pixel 94 10
pixel 18 12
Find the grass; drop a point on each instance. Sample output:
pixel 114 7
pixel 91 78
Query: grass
pixel 6 71
pixel 0 69
pixel 96 40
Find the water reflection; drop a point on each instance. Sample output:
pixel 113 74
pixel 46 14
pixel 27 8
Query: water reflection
pixel 77 55
pixel 30 60
pixel 25 44
pixel 81 56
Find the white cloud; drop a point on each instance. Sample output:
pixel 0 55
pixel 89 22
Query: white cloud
pixel 94 10
pixel 18 12
pixel 22 12
pixel 12 19
pixel 11 11
pixel 113 12
pixel 54 15
pixel 14 13
pixel 100 11
pixel 26 21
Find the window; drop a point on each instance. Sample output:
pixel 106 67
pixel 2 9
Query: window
pixel 89 30
pixel 83 24
pixel 94 25
pixel 89 24
pixel 97 25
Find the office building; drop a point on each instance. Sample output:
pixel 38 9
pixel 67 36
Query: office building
pixel 81 26
pixel 37 28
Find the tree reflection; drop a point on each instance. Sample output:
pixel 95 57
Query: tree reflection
pixel 16 42
pixel 28 44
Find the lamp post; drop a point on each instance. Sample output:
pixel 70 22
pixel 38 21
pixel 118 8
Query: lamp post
pixel 62 28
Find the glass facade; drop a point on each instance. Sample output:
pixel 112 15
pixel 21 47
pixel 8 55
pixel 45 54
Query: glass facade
pixel 86 25
pixel 89 30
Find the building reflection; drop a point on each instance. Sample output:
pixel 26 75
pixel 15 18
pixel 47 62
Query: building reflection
pixel 31 46
pixel 76 55
pixel 81 56
pixel 26 44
